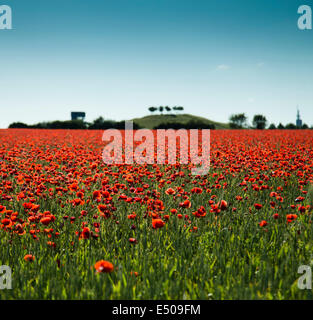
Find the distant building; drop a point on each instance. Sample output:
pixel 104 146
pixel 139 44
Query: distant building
pixel 298 121
pixel 78 115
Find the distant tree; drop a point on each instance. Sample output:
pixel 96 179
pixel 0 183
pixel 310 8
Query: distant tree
pixel 152 109
pixel 238 121
pixel 259 122
pixel 272 126
pixel 291 126
pixel 305 126
pixel 101 124
pixel 193 124
pixel 41 125
pixel 178 108
pixel 121 125
pixel 168 109
pixel 18 125
pixel 280 126
pixel 99 120
pixel 161 109
pixel 70 124
pixel 97 124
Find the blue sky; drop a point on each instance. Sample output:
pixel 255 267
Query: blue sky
pixel 115 58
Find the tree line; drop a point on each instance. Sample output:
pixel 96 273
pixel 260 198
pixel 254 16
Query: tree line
pixel 161 109
pixel 236 121
pixel 259 121
pixel 102 124
pixel 192 124
pixel 99 123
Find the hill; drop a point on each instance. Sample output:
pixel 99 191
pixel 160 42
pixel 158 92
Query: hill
pixel 152 121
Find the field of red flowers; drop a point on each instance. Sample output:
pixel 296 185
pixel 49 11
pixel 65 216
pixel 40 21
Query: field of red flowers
pixel 72 227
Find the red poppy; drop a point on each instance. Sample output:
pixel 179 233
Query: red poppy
pixel 6 222
pixel 223 205
pixel 157 223
pixel 263 223
pixel 29 257
pixel 185 204
pixel 102 208
pixel 2 209
pixel 291 217
pixel 96 194
pixel 85 234
pixel 45 221
pixel 132 216
pixel 170 191
pixel 104 266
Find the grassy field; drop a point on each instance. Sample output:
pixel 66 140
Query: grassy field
pixel 240 232
pixel 152 121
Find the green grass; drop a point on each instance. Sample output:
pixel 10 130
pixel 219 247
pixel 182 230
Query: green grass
pixel 151 121
pixel 229 257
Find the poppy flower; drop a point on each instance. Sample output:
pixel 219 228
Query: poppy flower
pixel 132 216
pixel 6 222
pixel 51 244
pixel 291 217
pixel 2 209
pixel 170 191
pixel 157 223
pixel 45 221
pixel 223 205
pixel 102 208
pixel 263 223
pixel 106 194
pixel 27 205
pixel 96 194
pixel 104 266
pixel 85 234
pixel 185 204
pixel 73 187
pixel 29 257
pixel 196 190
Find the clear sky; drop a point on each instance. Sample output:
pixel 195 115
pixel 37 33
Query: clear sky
pixel 115 58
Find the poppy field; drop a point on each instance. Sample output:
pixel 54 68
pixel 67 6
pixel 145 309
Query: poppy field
pixel 72 227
